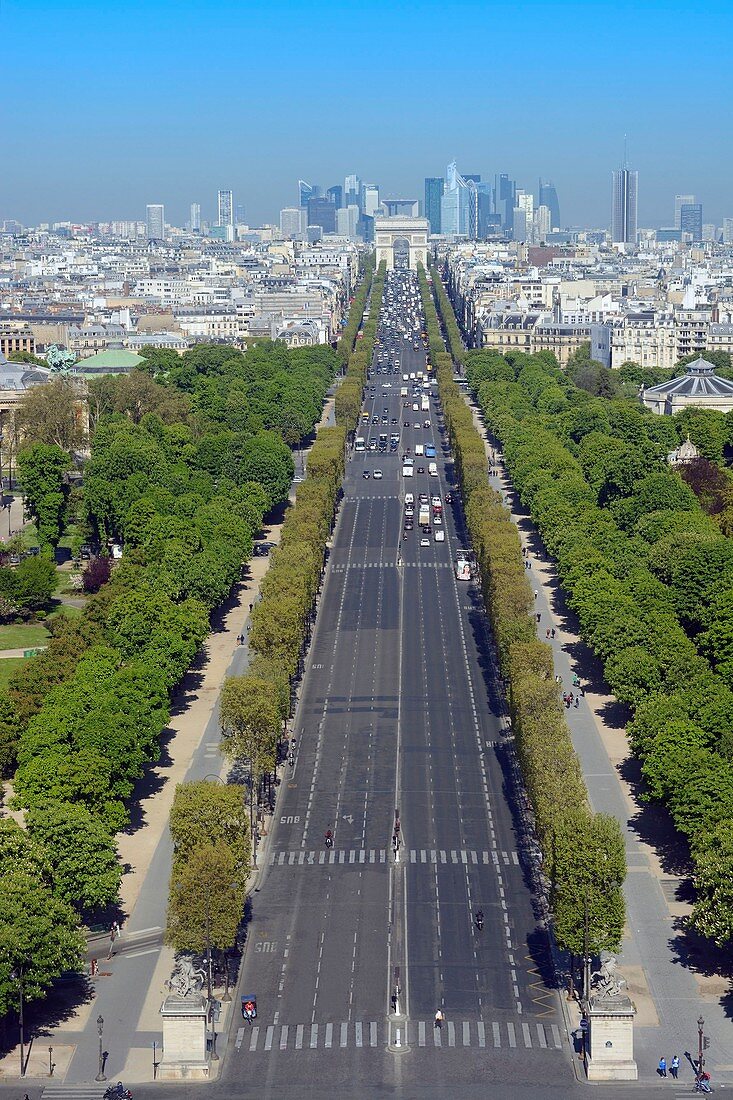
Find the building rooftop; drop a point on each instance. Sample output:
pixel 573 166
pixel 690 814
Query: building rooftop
pixel 112 361
pixel 699 380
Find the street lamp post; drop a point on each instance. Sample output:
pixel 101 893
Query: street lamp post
pixel 17 976
pixel 700 1046
pixel 100 1071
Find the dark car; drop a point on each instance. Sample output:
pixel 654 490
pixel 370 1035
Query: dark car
pixel 365 473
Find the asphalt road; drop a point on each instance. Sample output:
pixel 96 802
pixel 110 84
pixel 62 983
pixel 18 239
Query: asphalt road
pixel 397 713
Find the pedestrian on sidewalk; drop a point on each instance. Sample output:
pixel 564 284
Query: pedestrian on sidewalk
pixel 674 1066
pixel 547 633
pixel 552 632
pixel 662 1067
pixel 536 593
pixel 577 701
pixel 539 616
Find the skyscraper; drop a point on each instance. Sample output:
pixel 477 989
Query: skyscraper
pixel 226 208
pixel 291 221
pixel 195 221
pixel 240 217
pixel 433 194
pixel 679 202
pixel 370 193
pixel 155 221
pixel 336 195
pixel 727 230
pixel 322 212
pixel 691 219
pixel 352 191
pixel 305 192
pixel 504 200
pixel 624 195
pixel 548 197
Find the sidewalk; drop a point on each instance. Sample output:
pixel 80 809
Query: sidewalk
pixel 670 985
pixel 130 986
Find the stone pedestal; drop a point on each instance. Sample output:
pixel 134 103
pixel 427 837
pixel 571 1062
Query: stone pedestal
pixel 184 1038
pixel 609 1042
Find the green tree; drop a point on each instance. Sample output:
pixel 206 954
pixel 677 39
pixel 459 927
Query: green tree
pixel 713 912
pixel 39 937
pixel 85 870
pixel 206 899
pixel 203 811
pixel 42 467
pixel 53 414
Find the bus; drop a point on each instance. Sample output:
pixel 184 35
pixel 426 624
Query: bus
pixel 465 564
pixel 359 447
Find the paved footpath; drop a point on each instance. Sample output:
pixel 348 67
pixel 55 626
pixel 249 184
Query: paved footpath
pixel 130 986
pixel 670 992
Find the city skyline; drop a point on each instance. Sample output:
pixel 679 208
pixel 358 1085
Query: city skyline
pixel 529 127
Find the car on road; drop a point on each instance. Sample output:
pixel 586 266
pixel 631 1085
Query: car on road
pixel 421 469
pixel 377 475
pixel 416 426
pixel 365 473
pixel 425 542
pixel 440 535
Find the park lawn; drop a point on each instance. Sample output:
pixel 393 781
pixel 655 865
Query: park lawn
pixel 66 611
pixel 8 667
pixel 26 636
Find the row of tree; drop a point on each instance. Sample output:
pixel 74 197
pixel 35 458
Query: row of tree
pixel 211 863
pixel 648 574
pixel 350 394
pixel 583 852
pixel 80 722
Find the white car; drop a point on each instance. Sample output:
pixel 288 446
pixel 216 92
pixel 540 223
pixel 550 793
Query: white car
pixel 435 502
pixel 425 542
pixel 377 475
pixel 409 499
pixel 440 535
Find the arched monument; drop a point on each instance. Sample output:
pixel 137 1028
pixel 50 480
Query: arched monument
pixel 403 236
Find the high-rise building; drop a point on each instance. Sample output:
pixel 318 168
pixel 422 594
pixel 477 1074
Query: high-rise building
pixel 322 212
pixel 679 202
pixel 155 221
pixel 484 211
pixel 709 232
pixel 336 195
pixel 225 208
pixel 625 190
pixel 352 191
pixel 522 216
pixel 450 212
pixel 195 221
pixel 370 194
pixel 433 194
pixel 504 200
pixel 240 217
pixel 305 191
pixel 727 230
pixel 542 223
pixel 548 197
pixel 691 219
pixel 291 221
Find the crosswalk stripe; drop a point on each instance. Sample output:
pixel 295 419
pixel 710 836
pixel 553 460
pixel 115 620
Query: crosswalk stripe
pixel 379 855
pixel 74 1092
pixel 462 1033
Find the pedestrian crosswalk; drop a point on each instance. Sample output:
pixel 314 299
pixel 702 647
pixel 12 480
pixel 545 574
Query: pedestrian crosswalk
pixel 507 1036
pixel 469 857
pixel 59 1091
pixel 343 566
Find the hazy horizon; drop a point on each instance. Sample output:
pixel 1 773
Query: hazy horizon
pixel 178 101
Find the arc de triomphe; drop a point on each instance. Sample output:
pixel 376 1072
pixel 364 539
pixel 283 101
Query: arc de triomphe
pixel 409 234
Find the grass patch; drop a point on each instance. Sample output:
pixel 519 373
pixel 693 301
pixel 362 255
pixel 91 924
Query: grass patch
pixel 8 668
pixel 67 612
pixel 26 636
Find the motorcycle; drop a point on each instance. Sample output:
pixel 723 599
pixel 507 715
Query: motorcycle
pixel 117 1092
pixel 479 920
pixel 329 839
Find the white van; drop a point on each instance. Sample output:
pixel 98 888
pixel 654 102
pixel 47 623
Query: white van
pixel 419 450
pixel 439 534
pixel 407 471
pixel 433 469
pixel 409 499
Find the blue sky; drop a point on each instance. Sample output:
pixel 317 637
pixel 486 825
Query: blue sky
pixel 109 106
